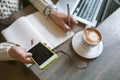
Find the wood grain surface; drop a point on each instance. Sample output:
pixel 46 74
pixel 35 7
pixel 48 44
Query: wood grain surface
pixel 104 67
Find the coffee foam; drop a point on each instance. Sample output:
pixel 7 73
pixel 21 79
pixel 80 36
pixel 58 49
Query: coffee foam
pixel 92 36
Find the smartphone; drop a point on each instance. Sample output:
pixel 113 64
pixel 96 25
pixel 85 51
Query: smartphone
pixel 42 55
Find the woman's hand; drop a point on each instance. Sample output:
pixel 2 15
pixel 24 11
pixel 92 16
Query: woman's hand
pixel 20 54
pixel 62 20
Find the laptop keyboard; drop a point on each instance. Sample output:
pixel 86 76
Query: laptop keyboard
pixel 86 9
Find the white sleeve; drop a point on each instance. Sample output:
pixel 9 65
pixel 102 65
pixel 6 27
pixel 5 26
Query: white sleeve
pixel 4 51
pixel 41 4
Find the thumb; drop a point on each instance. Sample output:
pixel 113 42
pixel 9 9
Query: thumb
pixel 29 60
pixel 29 54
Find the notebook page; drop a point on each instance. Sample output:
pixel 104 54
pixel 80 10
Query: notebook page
pixel 51 32
pixel 21 32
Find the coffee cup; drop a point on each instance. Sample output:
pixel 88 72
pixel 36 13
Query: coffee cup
pixel 91 37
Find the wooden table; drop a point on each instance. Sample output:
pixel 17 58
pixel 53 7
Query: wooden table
pixel 105 67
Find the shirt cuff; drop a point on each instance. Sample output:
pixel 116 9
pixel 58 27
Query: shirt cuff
pixel 41 5
pixel 4 47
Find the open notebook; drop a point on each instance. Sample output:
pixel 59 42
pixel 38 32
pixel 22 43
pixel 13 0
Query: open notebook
pixel 35 26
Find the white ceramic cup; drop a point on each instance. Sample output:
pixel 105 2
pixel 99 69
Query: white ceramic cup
pixel 91 37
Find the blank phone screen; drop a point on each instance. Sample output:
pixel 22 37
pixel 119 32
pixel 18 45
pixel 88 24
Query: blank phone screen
pixel 40 53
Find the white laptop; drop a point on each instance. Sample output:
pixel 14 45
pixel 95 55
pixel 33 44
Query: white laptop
pixel 85 11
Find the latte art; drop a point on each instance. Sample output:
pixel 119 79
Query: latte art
pixel 92 36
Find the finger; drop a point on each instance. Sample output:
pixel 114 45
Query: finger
pixel 72 25
pixel 28 54
pixel 28 61
pixel 73 22
pixel 32 41
pixel 65 27
pixel 45 44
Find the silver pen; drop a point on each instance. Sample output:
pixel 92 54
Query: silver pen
pixel 68 11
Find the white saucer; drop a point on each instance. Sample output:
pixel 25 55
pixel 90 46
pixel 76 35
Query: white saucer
pixel 83 52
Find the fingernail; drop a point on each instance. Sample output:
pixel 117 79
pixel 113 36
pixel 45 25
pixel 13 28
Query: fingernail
pixel 32 41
